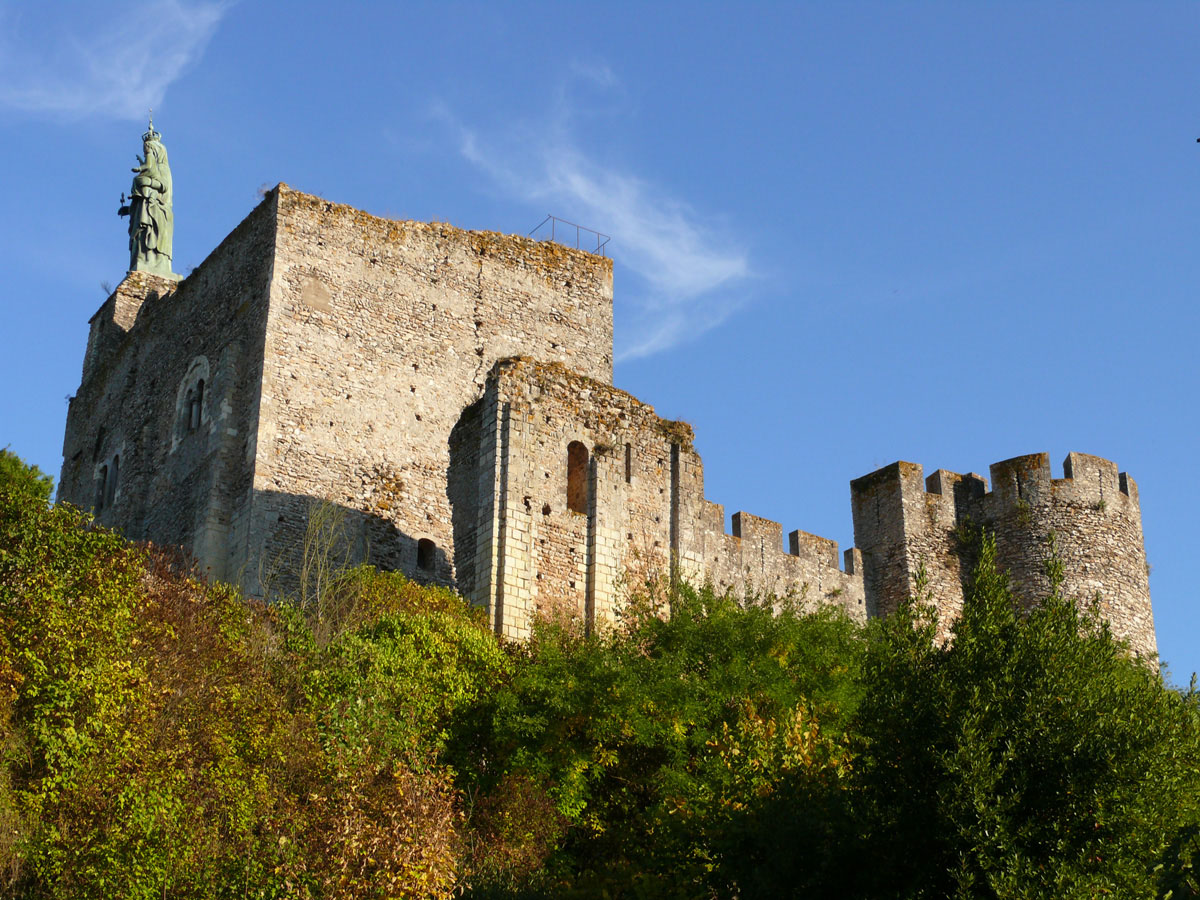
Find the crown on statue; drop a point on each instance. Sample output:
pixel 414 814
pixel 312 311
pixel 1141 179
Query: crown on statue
pixel 151 134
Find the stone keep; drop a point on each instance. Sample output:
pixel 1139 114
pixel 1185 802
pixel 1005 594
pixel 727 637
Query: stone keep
pixel 450 392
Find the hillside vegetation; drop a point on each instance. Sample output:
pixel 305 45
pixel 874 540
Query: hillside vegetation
pixel 166 738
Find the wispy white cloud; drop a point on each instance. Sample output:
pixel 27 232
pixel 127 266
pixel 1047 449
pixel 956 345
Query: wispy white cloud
pixel 596 72
pixel 117 64
pixel 690 276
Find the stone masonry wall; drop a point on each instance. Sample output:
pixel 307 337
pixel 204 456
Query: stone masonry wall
pixel 178 481
pixel 904 530
pixel 1096 518
pixel 904 525
pixel 380 336
pixel 645 508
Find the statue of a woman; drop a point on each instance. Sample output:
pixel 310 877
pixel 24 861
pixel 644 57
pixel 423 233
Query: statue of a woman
pixel 151 221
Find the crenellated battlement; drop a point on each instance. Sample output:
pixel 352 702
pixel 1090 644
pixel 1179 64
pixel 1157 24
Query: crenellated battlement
pixel 1098 480
pixel 751 557
pixel 906 525
pixel 813 549
pixel 1017 483
pixel 755 528
pixel 1087 480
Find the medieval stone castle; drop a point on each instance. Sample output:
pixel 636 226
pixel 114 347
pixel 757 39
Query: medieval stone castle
pixel 451 393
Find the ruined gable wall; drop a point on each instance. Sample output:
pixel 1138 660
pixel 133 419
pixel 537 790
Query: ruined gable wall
pixel 536 556
pixel 644 508
pixel 150 341
pixel 904 526
pixel 381 335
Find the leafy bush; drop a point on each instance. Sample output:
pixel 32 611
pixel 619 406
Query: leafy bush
pixel 1031 756
pixel 651 738
pixel 156 739
pixel 391 685
pixel 16 475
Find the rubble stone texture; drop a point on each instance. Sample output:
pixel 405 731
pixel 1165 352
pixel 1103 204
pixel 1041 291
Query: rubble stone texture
pixel 446 397
pixel 907 525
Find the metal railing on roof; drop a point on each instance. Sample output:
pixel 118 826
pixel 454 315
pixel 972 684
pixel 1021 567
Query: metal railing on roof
pixel 560 232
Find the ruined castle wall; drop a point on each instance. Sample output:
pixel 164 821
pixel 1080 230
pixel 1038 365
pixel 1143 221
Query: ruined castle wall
pixel 905 528
pixel 181 454
pixel 885 504
pixel 642 509
pixel 380 338
pixel 387 369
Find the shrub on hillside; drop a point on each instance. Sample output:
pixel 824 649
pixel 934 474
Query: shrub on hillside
pixel 1030 756
pixel 156 740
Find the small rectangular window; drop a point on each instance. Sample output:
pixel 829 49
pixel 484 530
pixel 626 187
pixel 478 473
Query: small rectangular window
pixel 577 477
pixel 426 555
pixel 628 463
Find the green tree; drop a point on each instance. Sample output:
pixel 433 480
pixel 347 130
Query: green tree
pixel 1028 757
pixel 17 475
pixel 383 666
pixel 145 748
pixel 652 739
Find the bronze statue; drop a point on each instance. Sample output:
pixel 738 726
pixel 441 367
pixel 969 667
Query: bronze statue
pixel 151 221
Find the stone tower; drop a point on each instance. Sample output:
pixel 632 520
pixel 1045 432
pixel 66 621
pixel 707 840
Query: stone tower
pixel 318 352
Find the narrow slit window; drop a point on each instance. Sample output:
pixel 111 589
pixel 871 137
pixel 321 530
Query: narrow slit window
pixel 101 488
pixel 628 463
pixel 110 489
pixel 197 403
pixel 577 486
pixel 426 554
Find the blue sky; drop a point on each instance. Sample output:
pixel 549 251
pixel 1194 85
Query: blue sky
pixel 844 234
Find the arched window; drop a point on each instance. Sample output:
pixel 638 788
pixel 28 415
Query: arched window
pixel 189 401
pixel 577 477
pixel 426 554
pixel 110 489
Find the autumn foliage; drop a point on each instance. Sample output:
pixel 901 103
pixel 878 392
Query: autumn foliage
pixel 164 737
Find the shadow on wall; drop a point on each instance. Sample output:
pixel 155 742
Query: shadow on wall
pixel 463 492
pixel 303 541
